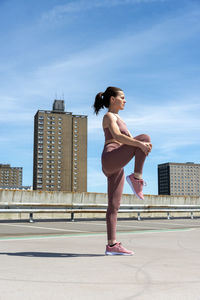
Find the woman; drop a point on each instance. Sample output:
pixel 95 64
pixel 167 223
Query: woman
pixel 120 147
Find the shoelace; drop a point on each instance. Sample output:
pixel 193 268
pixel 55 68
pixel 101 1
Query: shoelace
pixel 140 181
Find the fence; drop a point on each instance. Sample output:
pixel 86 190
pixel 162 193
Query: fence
pixel 75 208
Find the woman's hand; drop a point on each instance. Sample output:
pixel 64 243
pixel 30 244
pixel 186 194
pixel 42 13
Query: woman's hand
pixel 145 147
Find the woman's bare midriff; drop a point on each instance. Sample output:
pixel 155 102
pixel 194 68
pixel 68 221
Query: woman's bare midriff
pixel 112 141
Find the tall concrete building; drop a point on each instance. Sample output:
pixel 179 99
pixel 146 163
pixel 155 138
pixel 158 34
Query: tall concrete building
pixel 60 150
pixel 10 176
pixel 179 179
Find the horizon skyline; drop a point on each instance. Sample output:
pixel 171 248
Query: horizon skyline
pixel 31 185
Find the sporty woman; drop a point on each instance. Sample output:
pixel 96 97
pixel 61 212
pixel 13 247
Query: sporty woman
pixel 120 147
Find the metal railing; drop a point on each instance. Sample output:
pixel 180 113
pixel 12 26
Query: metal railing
pixel 74 208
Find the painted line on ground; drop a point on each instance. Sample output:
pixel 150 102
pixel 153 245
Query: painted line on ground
pixel 148 225
pixel 40 227
pixel 119 225
pixel 167 222
pixel 178 224
pixel 94 234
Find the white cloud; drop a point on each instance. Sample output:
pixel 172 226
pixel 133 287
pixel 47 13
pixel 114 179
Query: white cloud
pixel 13 112
pixel 166 117
pixel 83 69
pixel 79 73
pixel 59 11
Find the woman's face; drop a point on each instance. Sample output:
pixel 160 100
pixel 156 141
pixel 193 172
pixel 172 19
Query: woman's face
pixel 120 100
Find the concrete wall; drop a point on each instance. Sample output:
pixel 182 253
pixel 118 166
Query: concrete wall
pixel 19 196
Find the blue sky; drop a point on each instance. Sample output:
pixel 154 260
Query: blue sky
pixel 149 48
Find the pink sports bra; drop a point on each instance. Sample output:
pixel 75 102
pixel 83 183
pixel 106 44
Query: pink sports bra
pixel 122 127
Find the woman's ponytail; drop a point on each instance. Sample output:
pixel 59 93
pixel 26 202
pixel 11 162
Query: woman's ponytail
pixel 98 103
pixel 103 99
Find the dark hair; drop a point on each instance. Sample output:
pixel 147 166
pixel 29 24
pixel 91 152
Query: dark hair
pixel 103 99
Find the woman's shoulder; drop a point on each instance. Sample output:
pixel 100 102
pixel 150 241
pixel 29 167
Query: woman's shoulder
pixel 107 118
pixel 110 116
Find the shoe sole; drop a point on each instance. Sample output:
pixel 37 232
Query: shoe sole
pixel 118 253
pixel 130 183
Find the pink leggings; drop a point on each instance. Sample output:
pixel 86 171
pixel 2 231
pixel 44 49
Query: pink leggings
pixel 114 158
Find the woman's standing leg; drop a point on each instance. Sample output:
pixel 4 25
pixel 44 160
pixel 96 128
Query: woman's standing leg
pixel 115 189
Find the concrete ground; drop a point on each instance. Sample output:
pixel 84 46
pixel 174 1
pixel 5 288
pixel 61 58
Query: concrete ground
pixel 65 260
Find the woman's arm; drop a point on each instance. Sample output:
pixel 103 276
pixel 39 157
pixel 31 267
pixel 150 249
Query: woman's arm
pixel 130 133
pixel 122 138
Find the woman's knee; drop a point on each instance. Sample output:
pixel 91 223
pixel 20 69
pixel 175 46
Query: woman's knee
pixel 143 138
pixel 113 209
pixel 147 138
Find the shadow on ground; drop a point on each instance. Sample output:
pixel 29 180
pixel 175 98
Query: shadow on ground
pixel 50 254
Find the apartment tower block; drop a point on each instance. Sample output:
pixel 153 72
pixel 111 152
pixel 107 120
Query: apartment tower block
pixel 179 179
pixel 10 176
pixel 60 150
